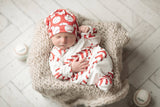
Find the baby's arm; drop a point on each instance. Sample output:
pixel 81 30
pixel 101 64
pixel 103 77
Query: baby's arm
pixel 65 71
pixel 87 31
pixel 58 69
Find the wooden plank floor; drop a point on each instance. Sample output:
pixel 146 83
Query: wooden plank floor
pixel 142 54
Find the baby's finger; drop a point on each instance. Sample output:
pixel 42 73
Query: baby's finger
pixel 86 29
pixel 84 66
pixel 83 60
pixel 83 69
pixel 84 63
pixel 75 60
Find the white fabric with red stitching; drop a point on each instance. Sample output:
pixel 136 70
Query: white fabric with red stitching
pixel 100 70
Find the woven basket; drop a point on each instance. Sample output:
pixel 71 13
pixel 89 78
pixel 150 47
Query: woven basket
pixel 114 38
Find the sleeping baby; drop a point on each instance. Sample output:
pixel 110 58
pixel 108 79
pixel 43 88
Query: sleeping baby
pixel 76 55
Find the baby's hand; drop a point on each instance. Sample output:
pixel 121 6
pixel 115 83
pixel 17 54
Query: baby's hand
pixel 78 66
pixel 84 29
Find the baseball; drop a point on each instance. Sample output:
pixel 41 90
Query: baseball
pixel 21 51
pixel 142 98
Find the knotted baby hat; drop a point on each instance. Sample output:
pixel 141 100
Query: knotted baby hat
pixel 60 21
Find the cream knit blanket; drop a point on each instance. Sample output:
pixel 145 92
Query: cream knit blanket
pixel 114 37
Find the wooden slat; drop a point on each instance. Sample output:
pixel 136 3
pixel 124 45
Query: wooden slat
pixel 142 10
pixel 8 35
pixel 153 4
pixel 156 77
pixel 13 97
pixel 22 79
pixel 10 71
pixel 77 7
pixel 3 103
pixel 146 69
pixel 143 51
pixel 37 99
pixel 7 54
pixel 138 36
pixel 13 14
pixel 48 5
pixel 4 22
pixel 31 9
pixel 101 12
pixel 130 18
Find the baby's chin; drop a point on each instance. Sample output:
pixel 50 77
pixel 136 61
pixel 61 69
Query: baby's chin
pixel 63 47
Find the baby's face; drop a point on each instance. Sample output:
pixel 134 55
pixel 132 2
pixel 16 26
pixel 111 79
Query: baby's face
pixel 64 40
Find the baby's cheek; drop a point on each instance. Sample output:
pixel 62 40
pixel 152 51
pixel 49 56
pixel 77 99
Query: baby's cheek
pixel 72 41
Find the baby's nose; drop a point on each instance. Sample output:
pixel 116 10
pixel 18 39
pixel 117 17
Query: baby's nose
pixel 64 40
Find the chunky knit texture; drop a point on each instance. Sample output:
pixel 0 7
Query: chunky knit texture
pixel 114 38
